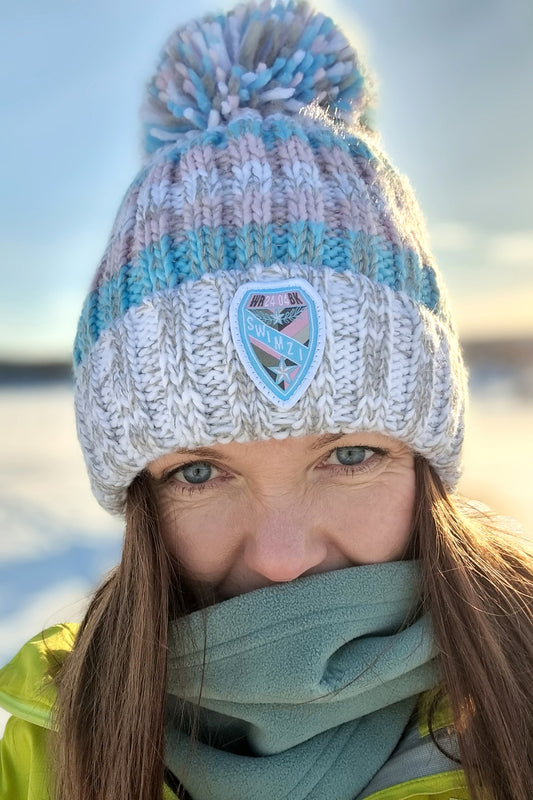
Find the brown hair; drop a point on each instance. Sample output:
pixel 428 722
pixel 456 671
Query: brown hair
pixel 477 585
pixel 110 704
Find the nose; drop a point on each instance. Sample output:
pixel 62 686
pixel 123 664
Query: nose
pixel 283 542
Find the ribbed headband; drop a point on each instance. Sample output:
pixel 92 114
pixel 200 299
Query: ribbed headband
pixel 268 273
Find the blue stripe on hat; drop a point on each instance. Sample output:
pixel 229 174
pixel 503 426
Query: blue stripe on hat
pixel 166 264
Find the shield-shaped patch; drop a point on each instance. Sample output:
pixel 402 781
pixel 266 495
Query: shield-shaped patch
pixel 278 332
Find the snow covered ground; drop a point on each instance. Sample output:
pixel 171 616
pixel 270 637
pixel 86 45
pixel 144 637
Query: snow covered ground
pixel 56 543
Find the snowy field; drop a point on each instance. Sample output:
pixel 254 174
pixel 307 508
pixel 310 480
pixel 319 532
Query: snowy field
pixel 56 543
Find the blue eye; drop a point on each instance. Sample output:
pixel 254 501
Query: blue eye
pixel 351 456
pixel 197 472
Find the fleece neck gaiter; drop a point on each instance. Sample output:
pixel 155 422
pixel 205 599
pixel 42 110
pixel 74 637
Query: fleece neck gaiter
pixel 299 690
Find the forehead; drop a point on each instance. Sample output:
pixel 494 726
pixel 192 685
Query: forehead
pixel 288 447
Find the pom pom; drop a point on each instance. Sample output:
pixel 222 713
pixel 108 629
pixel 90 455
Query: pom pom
pixel 271 58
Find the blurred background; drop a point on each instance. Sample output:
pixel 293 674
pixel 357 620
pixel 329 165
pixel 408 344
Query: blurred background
pixel 454 81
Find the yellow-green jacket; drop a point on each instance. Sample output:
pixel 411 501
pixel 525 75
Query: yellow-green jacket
pixel 26 693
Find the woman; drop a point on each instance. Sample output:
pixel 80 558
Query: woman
pixel 270 387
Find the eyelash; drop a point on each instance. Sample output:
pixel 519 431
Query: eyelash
pixel 344 469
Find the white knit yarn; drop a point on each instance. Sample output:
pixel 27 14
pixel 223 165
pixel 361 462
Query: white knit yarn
pixel 167 375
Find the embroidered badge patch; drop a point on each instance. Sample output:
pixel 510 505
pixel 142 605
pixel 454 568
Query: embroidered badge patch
pixel 278 331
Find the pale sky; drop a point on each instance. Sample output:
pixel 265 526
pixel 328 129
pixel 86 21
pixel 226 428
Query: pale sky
pixel 455 112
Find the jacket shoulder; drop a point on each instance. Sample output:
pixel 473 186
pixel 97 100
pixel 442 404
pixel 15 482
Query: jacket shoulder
pixel 418 768
pixel 27 693
pixel 26 688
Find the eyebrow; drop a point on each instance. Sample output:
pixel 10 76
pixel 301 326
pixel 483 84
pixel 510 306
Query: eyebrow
pixel 206 452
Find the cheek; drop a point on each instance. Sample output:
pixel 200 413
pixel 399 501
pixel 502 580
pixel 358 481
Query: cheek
pixel 376 521
pixel 204 543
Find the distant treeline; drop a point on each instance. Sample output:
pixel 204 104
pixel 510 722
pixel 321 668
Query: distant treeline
pixel 501 366
pixel 21 373
pixel 480 355
pixel 513 352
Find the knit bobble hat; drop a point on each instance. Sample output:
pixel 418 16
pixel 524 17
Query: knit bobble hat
pixel 268 273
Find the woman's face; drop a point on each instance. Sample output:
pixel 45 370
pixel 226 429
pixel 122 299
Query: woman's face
pixel 243 516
